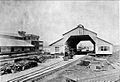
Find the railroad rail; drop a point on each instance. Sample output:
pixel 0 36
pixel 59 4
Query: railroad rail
pixel 12 58
pixel 41 73
pixel 25 77
pixel 19 55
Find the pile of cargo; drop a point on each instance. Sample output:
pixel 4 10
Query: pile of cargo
pixel 95 64
pixel 16 67
pixel 22 64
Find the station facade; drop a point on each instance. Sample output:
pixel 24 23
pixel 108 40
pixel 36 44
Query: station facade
pixel 72 39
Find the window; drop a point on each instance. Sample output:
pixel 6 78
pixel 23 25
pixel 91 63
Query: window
pixel 56 49
pixel 103 48
pixel 107 48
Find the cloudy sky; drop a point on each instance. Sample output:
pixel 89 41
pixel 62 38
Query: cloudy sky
pixel 50 19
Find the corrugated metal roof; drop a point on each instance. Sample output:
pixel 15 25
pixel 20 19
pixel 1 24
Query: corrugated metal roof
pixel 13 42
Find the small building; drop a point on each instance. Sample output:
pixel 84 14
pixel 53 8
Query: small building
pixel 72 38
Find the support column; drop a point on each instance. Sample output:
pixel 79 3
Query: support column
pixel 94 48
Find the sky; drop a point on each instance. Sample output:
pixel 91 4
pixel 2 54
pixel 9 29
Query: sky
pixel 50 19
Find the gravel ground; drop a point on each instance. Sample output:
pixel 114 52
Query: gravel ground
pixel 83 72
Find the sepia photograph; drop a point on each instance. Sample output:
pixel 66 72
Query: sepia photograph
pixel 59 41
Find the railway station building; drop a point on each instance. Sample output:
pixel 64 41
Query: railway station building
pixel 81 41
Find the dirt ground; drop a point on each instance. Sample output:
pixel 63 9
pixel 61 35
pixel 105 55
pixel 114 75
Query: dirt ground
pixel 80 71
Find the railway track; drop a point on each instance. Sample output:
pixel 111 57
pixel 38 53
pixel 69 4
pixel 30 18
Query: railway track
pixel 41 73
pixel 12 58
pixel 18 55
pixel 33 74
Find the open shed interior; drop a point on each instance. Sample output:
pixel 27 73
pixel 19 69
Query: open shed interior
pixel 73 41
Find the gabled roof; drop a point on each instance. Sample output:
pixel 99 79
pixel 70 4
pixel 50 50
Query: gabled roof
pixel 79 27
pixel 70 31
pixel 104 40
pixel 55 42
pixel 90 31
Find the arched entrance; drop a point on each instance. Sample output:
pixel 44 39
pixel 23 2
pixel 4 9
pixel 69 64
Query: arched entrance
pixel 72 42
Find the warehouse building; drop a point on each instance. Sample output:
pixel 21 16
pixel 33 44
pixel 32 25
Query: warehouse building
pixel 11 43
pixel 81 41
